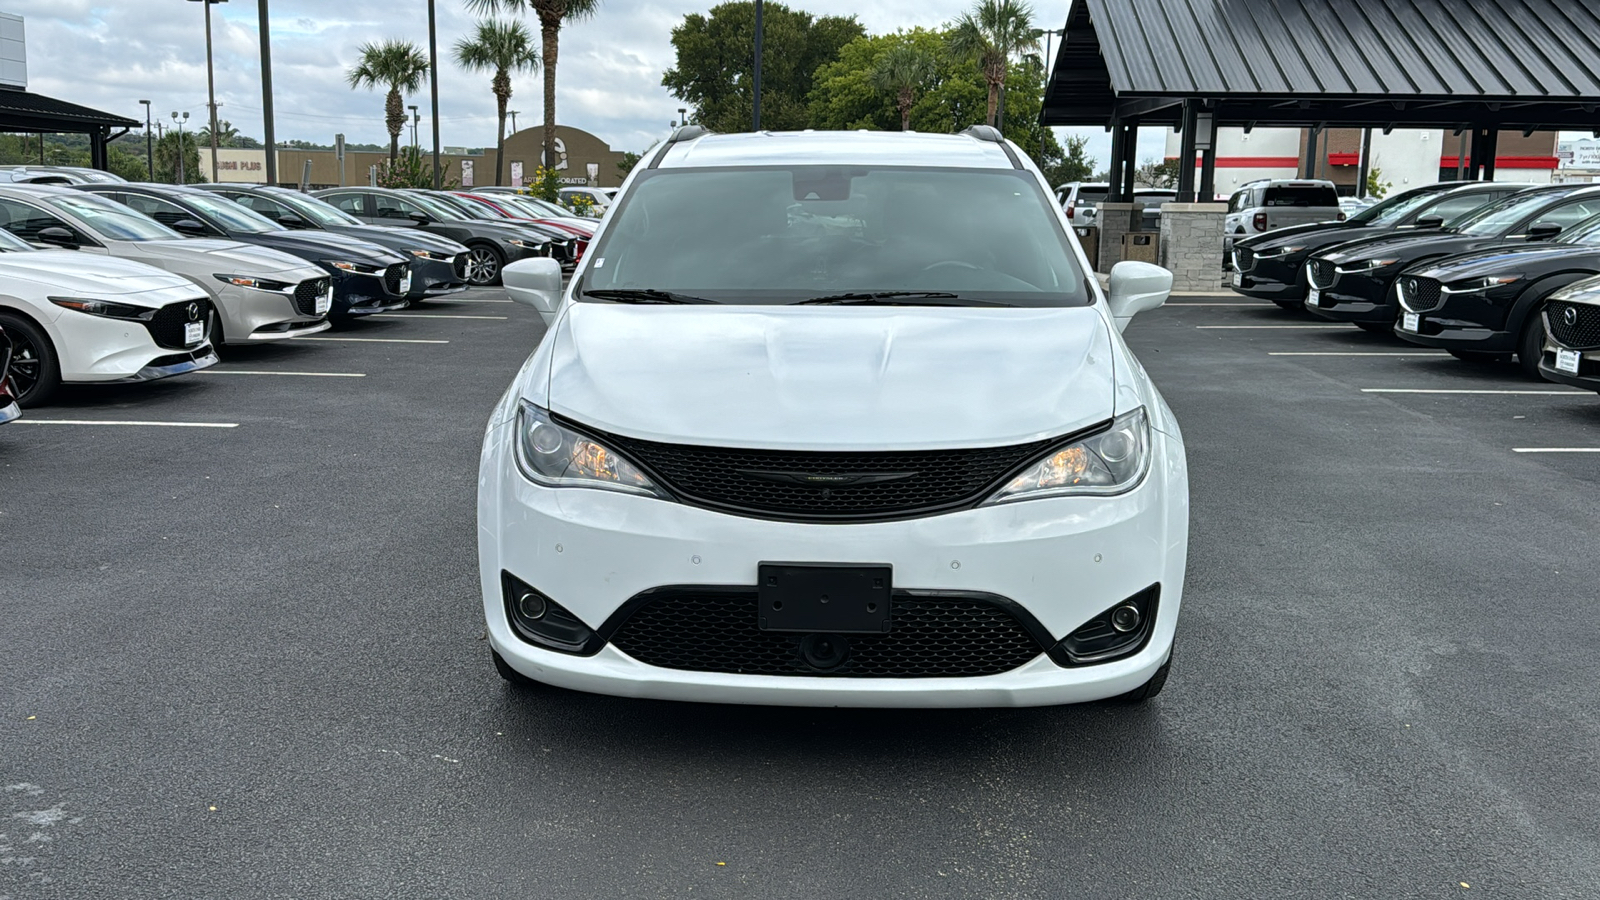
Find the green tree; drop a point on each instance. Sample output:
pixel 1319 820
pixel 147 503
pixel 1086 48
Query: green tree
pixel 992 33
pixel 410 170
pixel 167 152
pixel 1074 165
pixel 402 67
pixel 552 15
pixel 903 70
pixel 501 48
pixel 1162 174
pixel 627 162
pixel 1377 188
pixel 227 135
pixel 716 63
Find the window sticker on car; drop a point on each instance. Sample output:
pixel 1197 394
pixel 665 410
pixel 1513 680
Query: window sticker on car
pixel 600 262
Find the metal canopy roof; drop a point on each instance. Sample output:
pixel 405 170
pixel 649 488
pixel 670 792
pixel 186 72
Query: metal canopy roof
pixel 1374 63
pixel 25 112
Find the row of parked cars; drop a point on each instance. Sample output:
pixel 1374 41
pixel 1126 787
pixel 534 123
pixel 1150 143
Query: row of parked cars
pixel 1489 271
pixel 108 281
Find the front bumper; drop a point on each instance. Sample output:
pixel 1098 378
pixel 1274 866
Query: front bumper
pixel 1272 278
pixel 175 364
pixel 436 277
pixel 100 350
pixel 252 315
pixel 1588 375
pixel 1358 297
pixel 1062 560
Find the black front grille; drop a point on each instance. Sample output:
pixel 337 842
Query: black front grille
pixel 1574 325
pixel 392 277
pixel 706 630
pixel 1243 258
pixel 818 485
pixel 458 265
pixel 1321 273
pixel 1420 294
pixel 167 325
pixel 306 294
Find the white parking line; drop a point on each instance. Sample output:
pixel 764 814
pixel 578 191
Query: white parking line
pixel 462 300
pixel 125 422
pixel 1257 303
pixel 371 340
pixel 1555 449
pixel 1301 327
pixel 265 372
pixel 427 316
pixel 1357 353
pixel 1469 391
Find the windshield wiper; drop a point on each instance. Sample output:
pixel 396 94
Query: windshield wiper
pixel 894 298
pixel 643 295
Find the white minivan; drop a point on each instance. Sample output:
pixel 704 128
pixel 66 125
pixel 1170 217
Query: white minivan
pixel 835 419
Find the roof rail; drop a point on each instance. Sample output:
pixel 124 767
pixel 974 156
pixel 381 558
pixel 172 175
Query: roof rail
pixel 679 135
pixel 991 134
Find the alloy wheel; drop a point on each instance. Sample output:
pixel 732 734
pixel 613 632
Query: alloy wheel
pixel 482 266
pixel 26 366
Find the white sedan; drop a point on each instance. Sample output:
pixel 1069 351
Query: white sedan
pixel 78 318
pixel 835 419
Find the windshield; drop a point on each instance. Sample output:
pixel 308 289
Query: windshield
pixel 111 220
pixel 1586 232
pixel 1304 195
pixel 1496 218
pixel 313 210
pixel 10 242
pixel 1392 210
pixel 472 209
pixel 444 212
pixel 788 234
pixel 527 205
pixel 231 215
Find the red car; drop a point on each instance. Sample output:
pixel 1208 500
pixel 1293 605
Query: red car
pixel 9 410
pixel 527 209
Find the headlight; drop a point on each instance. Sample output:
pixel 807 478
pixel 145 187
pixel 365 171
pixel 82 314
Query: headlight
pixel 556 456
pixel 1476 285
pixel 1367 265
pixel 105 308
pixel 250 281
pixel 1111 462
pixel 1277 252
pixel 346 266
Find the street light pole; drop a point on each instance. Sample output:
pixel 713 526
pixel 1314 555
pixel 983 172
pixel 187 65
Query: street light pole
pixel 181 173
pixel 756 82
pixel 266 95
pixel 433 69
pixel 211 86
pixel 683 115
pixel 513 114
pixel 149 147
pixel 416 119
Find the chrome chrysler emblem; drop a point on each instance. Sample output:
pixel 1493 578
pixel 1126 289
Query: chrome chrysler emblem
pixel 823 481
pixel 1570 315
pixel 194 311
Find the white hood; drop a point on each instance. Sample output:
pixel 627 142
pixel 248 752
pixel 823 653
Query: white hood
pixel 829 377
pixel 87 274
pixel 236 258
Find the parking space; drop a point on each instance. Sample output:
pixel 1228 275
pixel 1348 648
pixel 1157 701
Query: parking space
pixel 257 637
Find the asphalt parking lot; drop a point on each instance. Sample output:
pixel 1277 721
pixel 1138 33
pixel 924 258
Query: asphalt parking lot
pixel 247 660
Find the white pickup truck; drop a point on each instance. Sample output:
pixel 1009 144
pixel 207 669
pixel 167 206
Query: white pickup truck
pixel 1262 206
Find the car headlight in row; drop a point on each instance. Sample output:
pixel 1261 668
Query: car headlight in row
pixel 555 456
pixel 357 268
pixel 250 281
pixel 521 242
pixel 1110 462
pixel 1478 285
pixel 105 308
pixel 429 254
pixel 1275 252
pixel 1367 265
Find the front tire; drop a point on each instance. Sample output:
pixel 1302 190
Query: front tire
pixel 1531 345
pixel 35 367
pixel 484 263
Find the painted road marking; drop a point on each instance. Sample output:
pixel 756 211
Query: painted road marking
pixel 113 422
pixel 371 340
pixel 1357 353
pixel 1459 391
pixel 1257 303
pixel 428 316
pixel 1302 327
pixel 1555 449
pixel 265 372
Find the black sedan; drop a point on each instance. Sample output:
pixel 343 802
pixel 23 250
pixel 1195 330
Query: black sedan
pixel 1487 305
pixel 1272 266
pixel 1354 281
pixel 438 264
pixel 1572 344
pixel 9 409
pixel 490 245
pixel 367 278
pixel 563 246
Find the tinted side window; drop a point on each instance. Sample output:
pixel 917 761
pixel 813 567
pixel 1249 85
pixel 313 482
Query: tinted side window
pixel 272 209
pixel 163 211
pixel 26 222
pixel 1570 213
pixel 350 203
pixel 1452 208
pixel 388 207
pixel 1292 195
pixel 1237 201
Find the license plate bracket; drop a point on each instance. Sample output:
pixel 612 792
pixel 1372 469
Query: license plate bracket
pixel 1568 361
pixel 193 333
pixel 1410 322
pixel 840 598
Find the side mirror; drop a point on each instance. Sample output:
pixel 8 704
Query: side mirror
pixel 1430 222
pixel 290 220
pixel 536 282
pixel 1136 287
pixel 190 227
pixel 1543 231
pixel 57 236
pixel 421 218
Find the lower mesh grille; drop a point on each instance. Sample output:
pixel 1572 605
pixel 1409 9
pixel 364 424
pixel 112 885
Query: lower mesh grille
pixel 306 294
pixel 392 277
pixel 1243 258
pixel 169 323
pixel 1420 294
pixel 1575 325
pixel 1321 273
pixel 706 630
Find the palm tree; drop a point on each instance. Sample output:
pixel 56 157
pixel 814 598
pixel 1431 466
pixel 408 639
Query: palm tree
pixel 551 13
pixel 402 67
pixel 903 69
pixel 501 48
pixel 226 134
pixel 992 33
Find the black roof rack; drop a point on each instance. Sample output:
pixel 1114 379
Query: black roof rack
pixel 992 134
pixel 679 135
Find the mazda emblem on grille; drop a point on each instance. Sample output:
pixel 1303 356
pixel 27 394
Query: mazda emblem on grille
pixel 194 311
pixel 1570 315
pixel 812 480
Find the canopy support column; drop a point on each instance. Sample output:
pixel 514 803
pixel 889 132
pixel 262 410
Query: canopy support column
pixel 1186 152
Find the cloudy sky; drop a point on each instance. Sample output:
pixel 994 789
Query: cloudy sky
pixel 110 55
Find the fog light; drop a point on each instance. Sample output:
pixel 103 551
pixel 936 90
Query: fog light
pixel 541 621
pixel 1125 618
pixel 532 605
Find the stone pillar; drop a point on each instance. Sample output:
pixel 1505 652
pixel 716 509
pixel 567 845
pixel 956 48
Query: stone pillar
pixel 1113 219
pixel 1191 244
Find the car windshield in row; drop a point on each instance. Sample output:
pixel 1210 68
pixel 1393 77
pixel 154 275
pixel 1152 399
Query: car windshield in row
pixel 10 243
pixel 230 215
pixel 311 209
pixel 440 210
pixel 1392 210
pixel 780 235
pixel 1300 195
pixel 111 220
pixel 1585 233
pixel 1498 218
